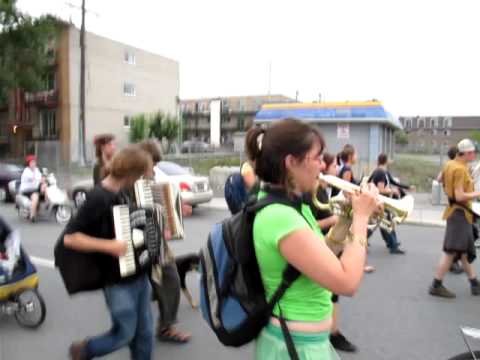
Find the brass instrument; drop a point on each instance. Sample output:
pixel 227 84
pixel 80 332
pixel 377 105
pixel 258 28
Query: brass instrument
pixel 395 211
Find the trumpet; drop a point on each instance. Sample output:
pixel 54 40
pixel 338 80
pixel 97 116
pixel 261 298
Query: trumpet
pixel 395 211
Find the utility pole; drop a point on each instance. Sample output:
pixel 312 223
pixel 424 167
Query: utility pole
pixel 81 123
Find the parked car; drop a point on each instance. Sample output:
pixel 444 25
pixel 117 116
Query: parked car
pixel 8 172
pixel 195 146
pixel 194 189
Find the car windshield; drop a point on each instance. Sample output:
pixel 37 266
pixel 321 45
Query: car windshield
pixel 170 168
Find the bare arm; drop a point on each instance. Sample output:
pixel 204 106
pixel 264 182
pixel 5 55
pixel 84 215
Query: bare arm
pixel 327 222
pixel 315 260
pixel 249 179
pixel 84 243
pixel 462 196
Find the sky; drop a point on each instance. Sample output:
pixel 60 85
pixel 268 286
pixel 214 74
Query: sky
pixel 419 57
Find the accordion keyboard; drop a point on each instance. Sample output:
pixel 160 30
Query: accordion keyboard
pixel 164 194
pixel 143 193
pixel 121 217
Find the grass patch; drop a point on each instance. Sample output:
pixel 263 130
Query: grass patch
pixel 416 171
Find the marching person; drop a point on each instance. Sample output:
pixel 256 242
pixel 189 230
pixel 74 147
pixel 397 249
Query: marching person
pixel 459 239
pixel 167 294
pixel 288 159
pixel 346 159
pixel 32 185
pixel 92 231
pixel 452 151
pixel 105 148
pixel 382 179
pixel 326 220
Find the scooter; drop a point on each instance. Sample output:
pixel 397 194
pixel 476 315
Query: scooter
pixel 56 201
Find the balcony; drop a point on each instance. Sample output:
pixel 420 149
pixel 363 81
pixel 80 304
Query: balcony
pixel 47 98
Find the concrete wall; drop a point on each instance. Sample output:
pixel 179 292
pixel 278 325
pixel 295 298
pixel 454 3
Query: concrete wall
pixel 156 81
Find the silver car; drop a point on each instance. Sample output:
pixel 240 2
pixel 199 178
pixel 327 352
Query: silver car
pixel 194 189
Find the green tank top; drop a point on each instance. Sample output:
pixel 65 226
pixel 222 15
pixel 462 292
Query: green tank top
pixel 305 300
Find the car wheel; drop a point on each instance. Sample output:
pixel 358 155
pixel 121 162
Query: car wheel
pixel 79 197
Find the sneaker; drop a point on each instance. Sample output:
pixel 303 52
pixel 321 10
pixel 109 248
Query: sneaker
pixel 475 289
pixel 442 291
pixel 340 342
pixel 397 251
pixel 78 350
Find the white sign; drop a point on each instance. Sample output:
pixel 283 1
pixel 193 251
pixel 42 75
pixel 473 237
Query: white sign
pixel 343 131
pixel 215 108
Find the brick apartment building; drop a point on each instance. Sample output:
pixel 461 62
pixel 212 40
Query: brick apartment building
pixel 237 114
pixel 429 134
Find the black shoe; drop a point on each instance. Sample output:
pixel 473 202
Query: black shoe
pixel 456 268
pixel 475 289
pixel 397 251
pixel 441 291
pixel 341 343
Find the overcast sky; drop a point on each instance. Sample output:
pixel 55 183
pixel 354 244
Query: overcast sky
pixel 419 57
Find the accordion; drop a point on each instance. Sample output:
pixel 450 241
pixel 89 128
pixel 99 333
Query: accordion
pixel 141 227
pixel 168 197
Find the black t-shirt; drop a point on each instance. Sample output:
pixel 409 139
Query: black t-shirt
pixel 95 218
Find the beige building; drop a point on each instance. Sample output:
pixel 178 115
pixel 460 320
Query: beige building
pixel 121 81
pixel 237 114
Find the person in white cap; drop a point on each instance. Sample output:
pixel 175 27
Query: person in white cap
pixel 459 239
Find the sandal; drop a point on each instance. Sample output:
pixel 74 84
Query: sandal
pixel 170 334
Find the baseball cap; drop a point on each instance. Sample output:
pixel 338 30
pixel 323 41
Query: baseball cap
pixel 466 145
pixel 30 158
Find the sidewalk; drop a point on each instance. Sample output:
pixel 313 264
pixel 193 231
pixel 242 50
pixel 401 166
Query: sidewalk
pixel 424 213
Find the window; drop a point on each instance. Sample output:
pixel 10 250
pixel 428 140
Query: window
pixel 128 89
pixel 126 121
pixel 48 124
pixel 448 122
pixel 129 58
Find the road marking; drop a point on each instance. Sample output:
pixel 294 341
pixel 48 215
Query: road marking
pixel 43 262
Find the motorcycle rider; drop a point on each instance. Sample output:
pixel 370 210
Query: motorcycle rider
pixel 32 185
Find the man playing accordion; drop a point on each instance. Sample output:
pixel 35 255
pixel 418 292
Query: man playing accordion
pixel 92 231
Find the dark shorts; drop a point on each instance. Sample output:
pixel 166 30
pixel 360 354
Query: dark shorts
pixel 30 193
pixel 459 238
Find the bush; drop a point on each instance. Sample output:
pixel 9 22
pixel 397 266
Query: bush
pixel 138 128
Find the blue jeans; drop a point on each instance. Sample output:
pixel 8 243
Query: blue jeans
pixel 132 321
pixel 390 238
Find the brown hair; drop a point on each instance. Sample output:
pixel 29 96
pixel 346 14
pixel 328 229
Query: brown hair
pixel 382 159
pixel 99 141
pixel 130 161
pixel 328 159
pixel 285 137
pixel 347 151
pixel 152 148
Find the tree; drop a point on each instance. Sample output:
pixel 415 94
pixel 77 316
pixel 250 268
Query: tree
pixel 24 57
pixel 155 127
pixel 138 128
pixel 401 138
pixel 170 127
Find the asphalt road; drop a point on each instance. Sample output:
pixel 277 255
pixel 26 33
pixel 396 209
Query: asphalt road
pixel 391 317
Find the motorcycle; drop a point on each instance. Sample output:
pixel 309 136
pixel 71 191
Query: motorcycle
pixel 56 201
